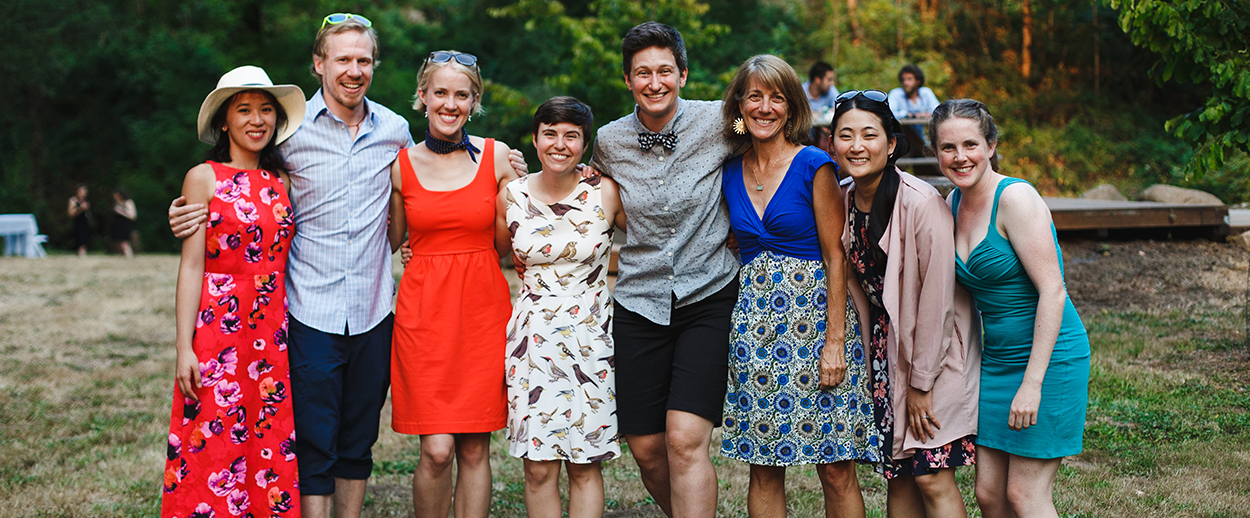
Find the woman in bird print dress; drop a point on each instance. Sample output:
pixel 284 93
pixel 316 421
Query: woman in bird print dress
pixel 558 226
pixel 231 448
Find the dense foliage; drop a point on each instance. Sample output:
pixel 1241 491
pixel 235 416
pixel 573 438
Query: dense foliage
pixel 1208 43
pixel 105 92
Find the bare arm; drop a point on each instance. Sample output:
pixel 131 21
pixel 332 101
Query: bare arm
pixel 1026 221
pixel 504 168
pixel 197 188
pixel 827 205
pixel 398 225
pixel 612 207
pixel 503 237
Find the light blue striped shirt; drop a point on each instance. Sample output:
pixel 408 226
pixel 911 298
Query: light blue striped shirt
pixel 339 270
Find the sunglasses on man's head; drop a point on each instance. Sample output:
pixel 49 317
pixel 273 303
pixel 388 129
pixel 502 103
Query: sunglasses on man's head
pixel 443 56
pixel 338 18
pixel 871 95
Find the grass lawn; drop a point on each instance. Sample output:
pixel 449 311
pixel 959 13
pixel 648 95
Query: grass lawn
pixel 86 361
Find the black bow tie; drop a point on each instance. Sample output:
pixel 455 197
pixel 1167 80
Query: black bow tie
pixel 649 140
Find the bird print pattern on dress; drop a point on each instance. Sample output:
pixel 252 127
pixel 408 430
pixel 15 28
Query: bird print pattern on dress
pixel 560 370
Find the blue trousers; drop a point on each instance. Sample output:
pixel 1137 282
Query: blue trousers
pixel 338 387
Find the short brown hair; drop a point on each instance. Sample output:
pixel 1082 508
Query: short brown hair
pixel 565 109
pixel 652 34
pixel 321 47
pixel 772 72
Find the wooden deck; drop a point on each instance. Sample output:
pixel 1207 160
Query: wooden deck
pixel 1074 214
pixel 1099 218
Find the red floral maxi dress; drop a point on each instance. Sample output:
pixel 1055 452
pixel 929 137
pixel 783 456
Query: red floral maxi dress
pixel 232 453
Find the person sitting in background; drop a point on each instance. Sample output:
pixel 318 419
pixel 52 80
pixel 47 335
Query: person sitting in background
pixel 123 220
pixel 820 96
pixel 819 87
pixel 911 100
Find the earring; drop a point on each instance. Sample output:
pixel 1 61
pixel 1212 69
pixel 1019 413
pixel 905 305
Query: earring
pixel 425 113
pixel 789 125
pixel 740 126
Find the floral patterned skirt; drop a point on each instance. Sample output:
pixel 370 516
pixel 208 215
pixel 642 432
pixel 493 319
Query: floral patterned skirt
pixel 960 452
pixel 775 412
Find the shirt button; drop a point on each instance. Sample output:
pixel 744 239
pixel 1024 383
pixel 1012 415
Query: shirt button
pixel 672 231
pixel 670 254
pixel 661 158
pixel 661 182
pixel 666 208
pixel 670 277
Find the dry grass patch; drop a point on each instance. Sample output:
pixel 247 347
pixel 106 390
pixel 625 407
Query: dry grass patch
pixel 86 362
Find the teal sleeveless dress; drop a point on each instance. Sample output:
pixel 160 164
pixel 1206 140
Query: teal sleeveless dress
pixel 1007 299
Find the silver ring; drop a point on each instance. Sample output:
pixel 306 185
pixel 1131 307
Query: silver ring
pixel 927 418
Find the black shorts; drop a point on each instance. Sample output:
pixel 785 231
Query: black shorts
pixel 680 366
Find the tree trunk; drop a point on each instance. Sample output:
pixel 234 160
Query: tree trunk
pixel 1097 65
pixel 1026 56
pixel 857 35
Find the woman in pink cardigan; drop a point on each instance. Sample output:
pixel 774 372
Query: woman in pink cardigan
pixel 920 327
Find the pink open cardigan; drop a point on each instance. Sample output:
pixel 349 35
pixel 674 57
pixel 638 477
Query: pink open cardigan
pixel 933 343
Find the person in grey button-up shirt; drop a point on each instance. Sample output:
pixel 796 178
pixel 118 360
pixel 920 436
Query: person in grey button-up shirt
pixel 677 279
pixel 678 220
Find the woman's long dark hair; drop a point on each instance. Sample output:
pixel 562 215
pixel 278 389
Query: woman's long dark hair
pixel 270 159
pixel 887 188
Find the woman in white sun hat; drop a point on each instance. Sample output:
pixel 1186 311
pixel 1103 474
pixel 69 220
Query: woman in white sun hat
pixel 231 434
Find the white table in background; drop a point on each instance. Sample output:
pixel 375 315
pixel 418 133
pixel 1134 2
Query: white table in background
pixel 21 235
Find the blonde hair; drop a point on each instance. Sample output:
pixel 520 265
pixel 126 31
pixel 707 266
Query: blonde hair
pixel 427 70
pixel 321 47
pixel 773 72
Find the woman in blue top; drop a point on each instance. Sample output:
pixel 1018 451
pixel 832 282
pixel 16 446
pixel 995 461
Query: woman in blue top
pixel 798 384
pixel 1035 357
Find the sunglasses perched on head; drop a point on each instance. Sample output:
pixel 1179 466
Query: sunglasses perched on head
pixel 871 95
pixel 443 56
pixel 338 18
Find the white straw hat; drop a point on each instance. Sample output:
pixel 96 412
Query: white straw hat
pixel 248 77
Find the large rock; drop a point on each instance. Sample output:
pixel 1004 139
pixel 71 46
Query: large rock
pixel 1243 240
pixel 1171 194
pixel 1105 191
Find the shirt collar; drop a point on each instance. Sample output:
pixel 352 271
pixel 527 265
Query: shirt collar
pixel 668 127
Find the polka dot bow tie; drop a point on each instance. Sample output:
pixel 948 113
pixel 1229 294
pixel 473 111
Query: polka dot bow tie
pixel 649 140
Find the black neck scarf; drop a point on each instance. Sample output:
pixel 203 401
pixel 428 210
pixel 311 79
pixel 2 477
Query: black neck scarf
pixel 444 147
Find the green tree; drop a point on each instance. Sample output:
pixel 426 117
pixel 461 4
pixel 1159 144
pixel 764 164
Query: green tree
pixel 1206 42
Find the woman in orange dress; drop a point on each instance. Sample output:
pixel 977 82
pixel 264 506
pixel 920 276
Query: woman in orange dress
pixel 447 359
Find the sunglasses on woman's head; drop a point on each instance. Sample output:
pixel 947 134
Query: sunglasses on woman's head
pixel 337 18
pixel 443 56
pixel 871 95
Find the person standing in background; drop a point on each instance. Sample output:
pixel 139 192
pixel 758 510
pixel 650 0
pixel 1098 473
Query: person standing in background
pixel 80 213
pixel 124 214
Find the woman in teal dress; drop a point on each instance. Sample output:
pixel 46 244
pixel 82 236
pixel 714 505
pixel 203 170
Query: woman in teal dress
pixel 1035 357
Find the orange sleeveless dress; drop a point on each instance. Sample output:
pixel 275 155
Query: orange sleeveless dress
pixel 447 358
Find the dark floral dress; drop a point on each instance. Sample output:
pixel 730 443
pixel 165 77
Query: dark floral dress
pixel 232 453
pixel 871 276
